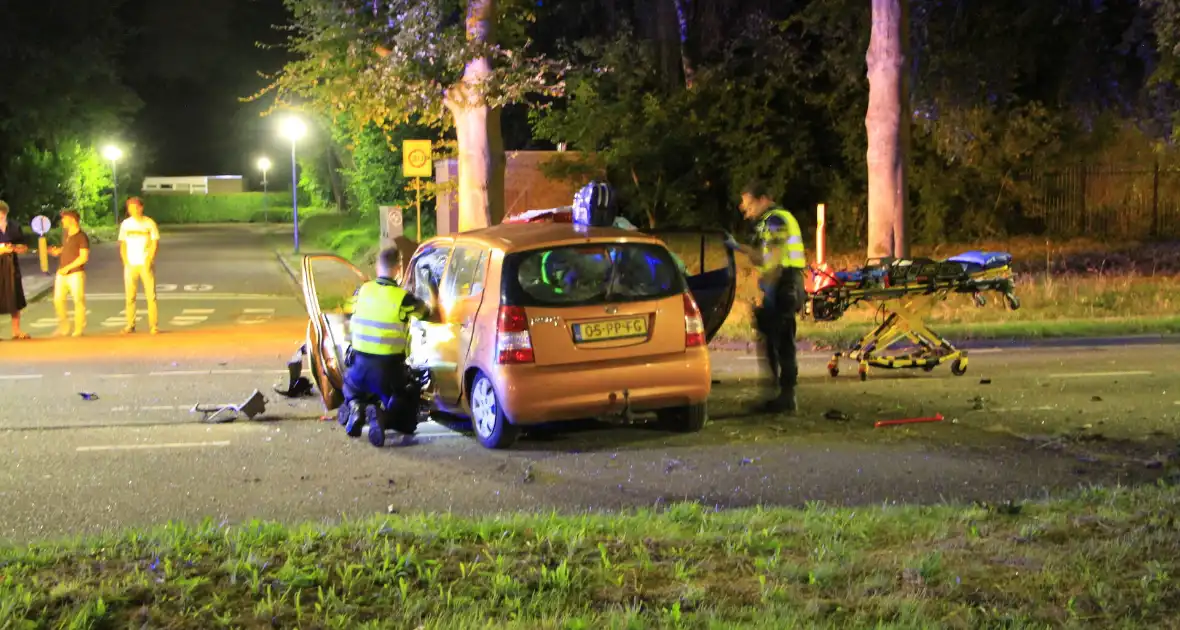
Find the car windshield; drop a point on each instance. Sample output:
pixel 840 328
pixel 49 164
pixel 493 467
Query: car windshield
pixel 589 274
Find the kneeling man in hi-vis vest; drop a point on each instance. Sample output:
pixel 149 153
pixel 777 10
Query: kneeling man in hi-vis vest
pixel 375 376
pixel 780 260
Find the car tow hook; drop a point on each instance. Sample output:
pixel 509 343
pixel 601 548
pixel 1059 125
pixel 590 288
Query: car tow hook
pixel 626 415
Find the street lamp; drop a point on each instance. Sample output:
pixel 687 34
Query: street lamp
pixel 264 166
pixel 294 129
pixel 113 154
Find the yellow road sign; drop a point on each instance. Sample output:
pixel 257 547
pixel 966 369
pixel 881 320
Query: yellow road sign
pixel 416 158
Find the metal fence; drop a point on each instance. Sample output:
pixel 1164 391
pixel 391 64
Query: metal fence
pixel 1136 202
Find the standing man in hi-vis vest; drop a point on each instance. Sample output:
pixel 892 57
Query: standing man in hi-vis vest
pixel 376 362
pixel 780 260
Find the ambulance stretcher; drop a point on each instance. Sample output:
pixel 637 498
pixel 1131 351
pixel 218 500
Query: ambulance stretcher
pixel 905 291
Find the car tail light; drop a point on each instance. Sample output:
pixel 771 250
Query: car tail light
pixel 513 342
pixel 694 325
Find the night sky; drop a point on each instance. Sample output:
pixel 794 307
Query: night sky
pixel 191 61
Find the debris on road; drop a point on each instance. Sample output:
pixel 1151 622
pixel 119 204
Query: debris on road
pixel 985 381
pixel 888 423
pixel 1095 399
pixel 255 405
pixel 837 415
pixel 88 395
pixel 528 476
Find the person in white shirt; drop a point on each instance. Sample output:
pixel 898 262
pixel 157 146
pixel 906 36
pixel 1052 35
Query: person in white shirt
pixel 138 239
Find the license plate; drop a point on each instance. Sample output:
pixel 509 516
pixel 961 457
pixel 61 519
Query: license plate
pixel 611 329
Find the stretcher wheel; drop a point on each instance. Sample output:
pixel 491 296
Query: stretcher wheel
pixel 958 368
pixel 864 374
pixel 929 367
pixel 833 370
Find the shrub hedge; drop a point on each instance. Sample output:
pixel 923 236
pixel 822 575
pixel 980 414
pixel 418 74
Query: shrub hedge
pixel 248 207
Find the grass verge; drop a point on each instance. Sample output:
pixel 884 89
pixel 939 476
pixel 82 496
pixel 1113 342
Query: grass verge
pixel 1102 559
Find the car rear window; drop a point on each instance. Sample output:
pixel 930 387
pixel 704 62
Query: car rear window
pixel 578 275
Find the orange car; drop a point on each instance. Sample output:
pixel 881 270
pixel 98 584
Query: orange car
pixel 541 322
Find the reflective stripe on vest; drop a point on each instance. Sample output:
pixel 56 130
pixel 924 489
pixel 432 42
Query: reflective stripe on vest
pixel 378 320
pixel 793 255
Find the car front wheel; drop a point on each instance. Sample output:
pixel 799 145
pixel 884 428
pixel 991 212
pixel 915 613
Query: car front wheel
pixel 491 425
pixel 689 419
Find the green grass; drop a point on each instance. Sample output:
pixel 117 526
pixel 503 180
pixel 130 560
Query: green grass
pixel 1100 559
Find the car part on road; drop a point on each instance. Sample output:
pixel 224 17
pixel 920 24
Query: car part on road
pixel 888 423
pixel 492 427
pixel 88 395
pixel 255 405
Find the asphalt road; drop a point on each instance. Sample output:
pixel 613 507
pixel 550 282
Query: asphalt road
pixel 205 276
pixel 1021 423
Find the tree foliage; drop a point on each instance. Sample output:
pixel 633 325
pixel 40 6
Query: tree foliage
pixel 61 96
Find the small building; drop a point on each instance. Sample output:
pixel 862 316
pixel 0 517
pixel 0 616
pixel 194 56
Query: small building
pixel 194 185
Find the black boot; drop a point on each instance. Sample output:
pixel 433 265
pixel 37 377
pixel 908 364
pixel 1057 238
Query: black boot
pixel 784 403
pixel 356 419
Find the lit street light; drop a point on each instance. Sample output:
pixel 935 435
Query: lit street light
pixel 264 166
pixel 294 129
pixel 113 154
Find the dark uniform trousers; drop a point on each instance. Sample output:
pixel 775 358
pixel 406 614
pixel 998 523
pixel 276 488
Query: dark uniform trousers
pixel 380 378
pixel 776 322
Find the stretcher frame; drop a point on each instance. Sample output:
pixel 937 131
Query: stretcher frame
pixel 906 307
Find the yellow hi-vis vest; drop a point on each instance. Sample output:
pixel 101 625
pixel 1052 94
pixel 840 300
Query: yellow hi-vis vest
pixel 379 320
pixel 792 237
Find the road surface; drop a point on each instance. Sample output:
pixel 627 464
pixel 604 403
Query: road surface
pixel 1022 423
pixel 205 276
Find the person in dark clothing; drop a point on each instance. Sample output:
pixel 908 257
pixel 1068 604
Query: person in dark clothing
pixel 780 260
pixel 12 290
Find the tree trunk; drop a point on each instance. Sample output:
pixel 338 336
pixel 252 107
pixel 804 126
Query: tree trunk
pixel 334 177
pixel 477 127
pixel 887 125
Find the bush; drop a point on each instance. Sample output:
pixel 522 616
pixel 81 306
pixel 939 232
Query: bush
pixel 353 237
pixel 223 208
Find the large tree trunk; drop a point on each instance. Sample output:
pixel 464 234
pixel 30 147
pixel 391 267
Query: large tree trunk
pixel 477 127
pixel 887 125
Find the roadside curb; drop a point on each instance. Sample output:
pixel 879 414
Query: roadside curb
pixel 291 274
pixel 37 294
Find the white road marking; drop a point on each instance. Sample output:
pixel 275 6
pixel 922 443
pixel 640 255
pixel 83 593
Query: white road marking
pixel 211 372
pixel 1007 409
pixel 140 447
pixel 19 377
pixel 1101 374
pixel 51 322
pixel 192 316
pixel 180 297
pixel 251 316
pixel 121 319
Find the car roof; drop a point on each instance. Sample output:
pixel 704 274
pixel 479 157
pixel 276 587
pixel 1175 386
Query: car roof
pixel 511 237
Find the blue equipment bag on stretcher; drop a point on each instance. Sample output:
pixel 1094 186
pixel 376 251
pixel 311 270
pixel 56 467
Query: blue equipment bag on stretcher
pixel 975 261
